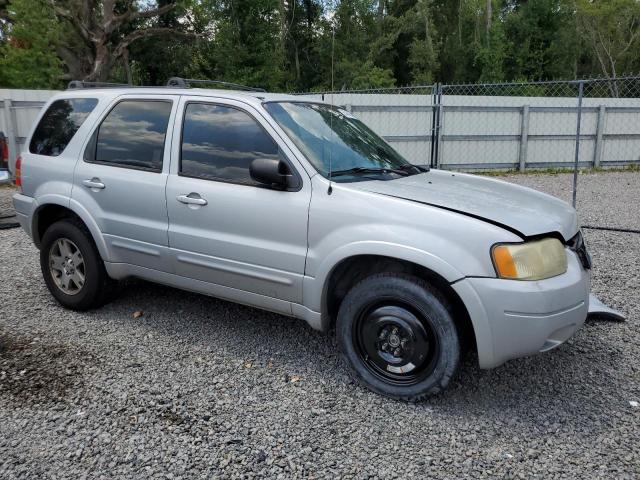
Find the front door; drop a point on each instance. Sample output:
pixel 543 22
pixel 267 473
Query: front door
pixel 225 228
pixel 122 176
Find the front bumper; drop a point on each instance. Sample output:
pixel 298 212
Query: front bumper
pixel 514 318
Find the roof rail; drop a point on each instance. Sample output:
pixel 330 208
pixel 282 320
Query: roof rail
pixel 75 84
pixel 179 82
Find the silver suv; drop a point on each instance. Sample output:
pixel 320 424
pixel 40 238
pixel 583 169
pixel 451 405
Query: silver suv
pixel 296 207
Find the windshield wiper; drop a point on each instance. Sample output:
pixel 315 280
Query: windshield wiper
pixel 418 168
pixel 359 170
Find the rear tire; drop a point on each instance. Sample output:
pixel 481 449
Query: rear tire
pixel 398 337
pixel 72 267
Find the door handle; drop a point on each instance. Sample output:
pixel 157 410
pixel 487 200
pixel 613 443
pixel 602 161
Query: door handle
pixel 94 183
pixel 192 199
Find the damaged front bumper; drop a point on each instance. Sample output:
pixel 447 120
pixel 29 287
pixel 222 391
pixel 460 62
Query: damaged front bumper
pixel 599 310
pixel 513 319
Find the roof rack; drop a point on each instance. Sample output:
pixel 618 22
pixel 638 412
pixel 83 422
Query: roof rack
pixel 75 84
pixel 179 82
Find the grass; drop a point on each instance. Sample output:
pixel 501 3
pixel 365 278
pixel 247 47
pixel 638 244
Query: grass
pixel 557 171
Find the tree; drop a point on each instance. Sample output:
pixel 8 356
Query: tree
pixel 611 29
pixel 408 44
pixel 4 11
pixel 543 43
pixel 101 32
pixel 28 58
pixel 243 45
pixel 346 43
pixel 153 60
pixel 300 22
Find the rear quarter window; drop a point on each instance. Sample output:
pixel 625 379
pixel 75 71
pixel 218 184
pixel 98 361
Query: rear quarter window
pixel 59 124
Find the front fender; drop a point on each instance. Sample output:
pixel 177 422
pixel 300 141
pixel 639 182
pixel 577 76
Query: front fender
pixel 315 289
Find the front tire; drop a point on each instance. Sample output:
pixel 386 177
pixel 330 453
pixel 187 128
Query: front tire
pixel 398 337
pixel 72 267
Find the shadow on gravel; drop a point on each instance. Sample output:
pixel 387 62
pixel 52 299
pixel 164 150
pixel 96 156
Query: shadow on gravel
pixel 564 387
pixel 33 372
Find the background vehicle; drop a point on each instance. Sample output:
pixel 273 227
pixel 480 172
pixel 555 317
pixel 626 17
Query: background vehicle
pixel 298 208
pixel 4 159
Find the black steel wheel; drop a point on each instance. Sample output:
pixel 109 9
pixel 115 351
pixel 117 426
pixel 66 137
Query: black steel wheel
pixel 395 342
pixel 398 337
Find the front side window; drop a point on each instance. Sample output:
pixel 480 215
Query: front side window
pixel 59 124
pixel 133 135
pixel 220 142
pixel 331 138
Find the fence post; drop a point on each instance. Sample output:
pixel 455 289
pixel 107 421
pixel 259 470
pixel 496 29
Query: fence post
pixel 11 131
pixel 435 124
pixel 597 151
pixel 575 165
pixel 439 144
pixel 524 137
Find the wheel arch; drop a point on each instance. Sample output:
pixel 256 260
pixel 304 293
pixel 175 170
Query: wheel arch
pixel 350 270
pixel 48 213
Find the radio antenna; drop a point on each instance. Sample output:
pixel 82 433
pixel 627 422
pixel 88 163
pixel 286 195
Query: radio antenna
pixel 333 42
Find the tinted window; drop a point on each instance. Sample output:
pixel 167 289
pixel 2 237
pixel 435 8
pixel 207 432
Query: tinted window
pixel 132 134
pixel 221 142
pixel 59 124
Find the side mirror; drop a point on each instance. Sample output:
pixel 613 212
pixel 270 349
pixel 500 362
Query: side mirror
pixel 270 171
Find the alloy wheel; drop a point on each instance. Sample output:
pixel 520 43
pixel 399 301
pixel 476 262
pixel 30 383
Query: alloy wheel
pixel 67 266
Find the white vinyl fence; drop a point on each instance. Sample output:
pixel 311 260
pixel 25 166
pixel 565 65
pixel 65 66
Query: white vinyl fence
pixel 486 132
pixel 454 131
pixel 18 111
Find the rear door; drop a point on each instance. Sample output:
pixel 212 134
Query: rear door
pixel 224 228
pixel 121 178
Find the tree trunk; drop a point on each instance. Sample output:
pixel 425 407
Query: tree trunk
pixel 98 44
pixel 127 66
pixel 100 71
pixel 282 9
pixel 488 21
pixel 460 23
pixel 297 59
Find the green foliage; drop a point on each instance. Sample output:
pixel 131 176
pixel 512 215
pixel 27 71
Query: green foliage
pixel 242 48
pixel 543 40
pixel 611 30
pixel 28 59
pixel 303 45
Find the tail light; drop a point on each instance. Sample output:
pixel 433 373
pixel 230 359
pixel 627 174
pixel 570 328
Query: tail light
pixel 18 172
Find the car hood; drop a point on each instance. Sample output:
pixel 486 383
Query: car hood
pixel 521 210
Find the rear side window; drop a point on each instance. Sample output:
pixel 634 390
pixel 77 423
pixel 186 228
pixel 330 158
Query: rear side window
pixel 220 142
pixel 59 124
pixel 132 135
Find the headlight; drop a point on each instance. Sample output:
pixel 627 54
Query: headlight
pixel 533 260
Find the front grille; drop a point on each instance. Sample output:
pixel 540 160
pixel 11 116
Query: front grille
pixel 577 245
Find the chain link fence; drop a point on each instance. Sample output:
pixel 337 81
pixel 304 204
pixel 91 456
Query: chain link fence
pixel 476 127
pixel 592 123
pixel 404 117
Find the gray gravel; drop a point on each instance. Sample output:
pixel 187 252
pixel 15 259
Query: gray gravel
pixel 198 387
pixel 5 200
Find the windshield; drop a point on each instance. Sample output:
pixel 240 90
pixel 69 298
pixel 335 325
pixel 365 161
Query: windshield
pixel 332 138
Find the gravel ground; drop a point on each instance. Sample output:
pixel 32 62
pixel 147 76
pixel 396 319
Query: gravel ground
pixel 199 387
pixel 5 200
